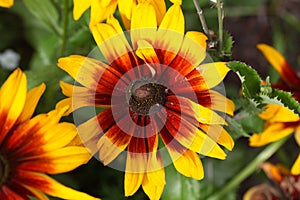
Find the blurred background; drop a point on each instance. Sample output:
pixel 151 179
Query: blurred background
pixel 34 37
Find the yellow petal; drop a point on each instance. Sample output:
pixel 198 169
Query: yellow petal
pixel 53 138
pixel 296 166
pixel 111 145
pixel 206 115
pixel 50 186
pixel 280 64
pixel 132 182
pixel 213 73
pixel 170 30
pixel 221 103
pixel 160 9
pixel 272 133
pixel 189 164
pixel 218 134
pixel 125 9
pixel 86 71
pixel 176 1
pixel 193 48
pixel 146 52
pixel 67 158
pixel 67 89
pixel 173 19
pixel 143 26
pixel 111 40
pixel 80 7
pixel 6 3
pixel 278 113
pixel 12 97
pixel 65 103
pixel 32 99
pixel 100 12
pixel 153 184
pixel 38 194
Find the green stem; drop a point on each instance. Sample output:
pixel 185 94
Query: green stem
pixel 220 21
pixel 203 22
pixel 65 28
pixel 251 167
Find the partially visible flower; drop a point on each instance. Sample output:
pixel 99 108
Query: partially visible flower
pixel 102 9
pixel 9 59
pixel 280 121
pixel 6 3
pixel 30 148
pixel 290 79
pixel 284 185
pixel 157 96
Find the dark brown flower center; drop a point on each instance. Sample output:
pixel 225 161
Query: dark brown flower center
pixel 146 98
pixel 4 169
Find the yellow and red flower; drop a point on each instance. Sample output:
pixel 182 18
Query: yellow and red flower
pixel 102 9
pixel 280 121
pixel 30 148
pixel 6 3
pixel 290 79
pixel 157 97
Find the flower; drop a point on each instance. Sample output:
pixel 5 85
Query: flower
pixel 157 99
pixel 287 185
pixel 6 3
pixel 290 80
pixel 101 9
pixel 30 148
pixel 280 121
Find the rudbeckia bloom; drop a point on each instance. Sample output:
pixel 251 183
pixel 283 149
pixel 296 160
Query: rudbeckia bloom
pixel 280 121
pixel 6 3
pixel 30 148
pixel 290 80
pixel 157 99
pixel 102 9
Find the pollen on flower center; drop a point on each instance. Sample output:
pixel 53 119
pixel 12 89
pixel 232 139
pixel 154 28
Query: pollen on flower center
pixel 145 97
pixel 4 169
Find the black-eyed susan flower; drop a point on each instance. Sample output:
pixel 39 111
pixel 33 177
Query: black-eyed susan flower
pixel 102 9
pixel 157 97
pixel 280 121
pixel 290 79
pixel 30 148
pixel 6 3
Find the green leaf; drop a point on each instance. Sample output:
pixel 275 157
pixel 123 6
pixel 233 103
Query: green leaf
pixel 235 129
pixel 227 44
pixel 179 187
pixel 250 79
pixel 46 12
pixel 282 98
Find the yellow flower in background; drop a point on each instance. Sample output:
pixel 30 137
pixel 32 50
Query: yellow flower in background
pixel 6 3
pixel 102 9
pixel 280 121
pixel 30 148
pixel 156 96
